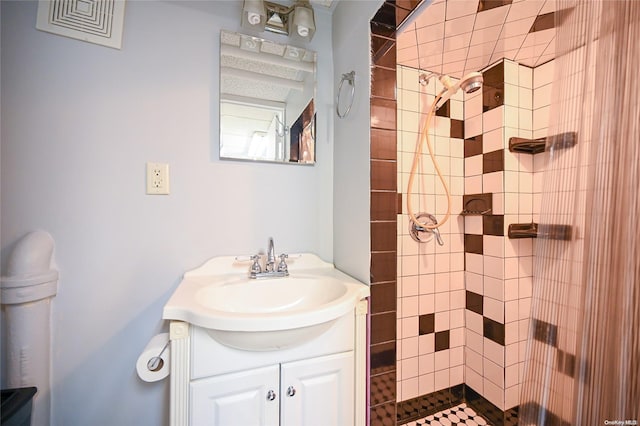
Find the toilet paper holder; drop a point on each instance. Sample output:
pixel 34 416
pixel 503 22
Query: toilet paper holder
pixel 155 363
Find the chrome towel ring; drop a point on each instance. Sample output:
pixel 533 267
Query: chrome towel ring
pixel 349 77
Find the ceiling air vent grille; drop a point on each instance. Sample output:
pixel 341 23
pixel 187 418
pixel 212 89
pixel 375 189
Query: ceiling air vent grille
pixel 94 21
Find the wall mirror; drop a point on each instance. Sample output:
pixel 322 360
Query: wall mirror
pixel 267 93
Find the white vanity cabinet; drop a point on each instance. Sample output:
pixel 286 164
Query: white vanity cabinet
pixel 317 391
pixel 283 351
pixel 244 398
pixel 318 383
pixel 311 392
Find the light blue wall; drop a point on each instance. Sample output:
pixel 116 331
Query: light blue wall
pixel 79 121
pixel 351 184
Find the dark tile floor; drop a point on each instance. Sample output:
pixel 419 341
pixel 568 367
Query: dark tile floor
pixel 459 415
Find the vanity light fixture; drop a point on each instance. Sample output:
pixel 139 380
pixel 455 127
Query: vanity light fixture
pixel 296 21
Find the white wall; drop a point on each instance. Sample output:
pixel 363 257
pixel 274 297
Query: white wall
pixel 79 121
pixel 351 185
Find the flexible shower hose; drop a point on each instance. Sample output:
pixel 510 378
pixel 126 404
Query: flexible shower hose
pixel 424 137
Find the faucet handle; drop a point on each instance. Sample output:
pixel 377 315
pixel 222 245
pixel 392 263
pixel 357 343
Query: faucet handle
pixel 255 266
pixel 282 266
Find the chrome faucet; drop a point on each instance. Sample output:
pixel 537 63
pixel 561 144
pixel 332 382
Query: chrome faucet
pixel 270 261
pixel 270 270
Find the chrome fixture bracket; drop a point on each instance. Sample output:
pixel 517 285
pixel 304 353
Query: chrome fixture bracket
pixel 423 234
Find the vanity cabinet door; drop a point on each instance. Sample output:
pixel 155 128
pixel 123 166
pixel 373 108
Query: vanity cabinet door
pixel 318 391
pixel 237 399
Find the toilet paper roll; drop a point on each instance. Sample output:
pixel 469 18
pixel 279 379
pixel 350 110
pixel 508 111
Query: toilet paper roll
pixel 153 350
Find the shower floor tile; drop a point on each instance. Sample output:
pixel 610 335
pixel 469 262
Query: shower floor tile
pixel 459 415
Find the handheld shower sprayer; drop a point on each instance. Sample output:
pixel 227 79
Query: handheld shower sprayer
pixel 469 83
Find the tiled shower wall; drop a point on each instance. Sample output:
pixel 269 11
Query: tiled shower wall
pixel 431 294
pixel 480 302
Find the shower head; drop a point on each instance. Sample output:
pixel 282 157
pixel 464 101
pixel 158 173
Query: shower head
pixel 469 83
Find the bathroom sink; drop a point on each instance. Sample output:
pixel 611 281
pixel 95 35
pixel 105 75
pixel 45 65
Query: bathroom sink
pixel 266 314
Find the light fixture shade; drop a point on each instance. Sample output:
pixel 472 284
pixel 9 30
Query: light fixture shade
pixel 254 15
pixel 304 24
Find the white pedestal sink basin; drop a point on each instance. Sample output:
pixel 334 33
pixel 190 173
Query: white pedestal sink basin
pixel 266 314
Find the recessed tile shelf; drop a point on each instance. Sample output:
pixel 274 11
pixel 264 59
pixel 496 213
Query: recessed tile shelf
pixel 533 230
pixel 477 204
pixel 536 146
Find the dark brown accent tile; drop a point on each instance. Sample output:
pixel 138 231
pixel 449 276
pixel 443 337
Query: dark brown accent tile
pixel 383 357
pixel 493 330
pixel 426 323
pixel 383 52
pixel 383 236
pixel 386 15
pixel 442 340
pixel 383 388
pixel 401 13
pixel 494 76
pixel 493 161
pixel 544 22
pixel 545 332
pixel 383 327
pixel 493 225
pixel 383 113
pixel 383 205
pixel 380 42
pixel 492 97
pixel 383 414
pixel 457 129
pixel 492 4
pixel 473 146
pixel 444 110
pixel 408 4
pixel 384 144
pixel 384 175
pixel 380 29
pixel 399 203
pixel 383 267
pixel 383 297
pixel 473 243
pixel 387 57
pixel 474 302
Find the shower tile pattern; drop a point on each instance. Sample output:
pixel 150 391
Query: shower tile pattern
pixel 470 314
pixel 456 37
pixel 384 202
pixel 439 342
pixel 499 272
pixel 431 295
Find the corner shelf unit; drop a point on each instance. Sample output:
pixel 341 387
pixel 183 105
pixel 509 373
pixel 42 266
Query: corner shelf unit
pixel 534 230
pixel 536 146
